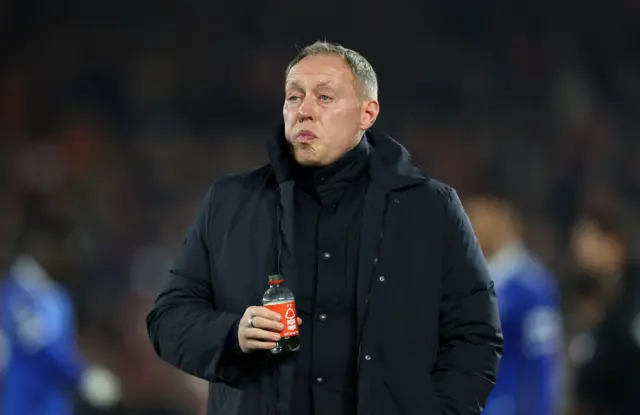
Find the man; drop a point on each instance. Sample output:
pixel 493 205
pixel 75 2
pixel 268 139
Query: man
pixel 607 353
pixel 41 367
pixel 529 382
pixel 398 308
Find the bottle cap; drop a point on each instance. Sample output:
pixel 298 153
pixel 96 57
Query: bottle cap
pixel 275 279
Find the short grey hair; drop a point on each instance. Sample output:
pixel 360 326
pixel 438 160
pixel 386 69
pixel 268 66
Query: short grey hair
pixel 360 67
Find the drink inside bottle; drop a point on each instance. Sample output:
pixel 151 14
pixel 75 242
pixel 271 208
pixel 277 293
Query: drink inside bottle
pixel 281 300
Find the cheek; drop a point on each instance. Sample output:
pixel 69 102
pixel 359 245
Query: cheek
pixel 483 234
pixel 341 119
pixel 587 251
pixel 287 114
pixel 289 121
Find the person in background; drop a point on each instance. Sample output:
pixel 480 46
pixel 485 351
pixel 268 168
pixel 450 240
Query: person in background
pixel 606 354
pixel 530 374
pixel 42 367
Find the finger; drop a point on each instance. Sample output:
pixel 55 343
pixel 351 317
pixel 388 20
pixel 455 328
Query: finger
pixel 259 334
pixel 263 323
pixel 249 313
pixel 265 312
pixel 299 321
pixel 258 345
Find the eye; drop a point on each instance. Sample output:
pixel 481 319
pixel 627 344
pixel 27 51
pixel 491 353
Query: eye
pixel 293 98
pixel 325 98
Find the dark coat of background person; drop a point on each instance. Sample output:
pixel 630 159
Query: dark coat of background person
pixel 429 337
pixel 608 381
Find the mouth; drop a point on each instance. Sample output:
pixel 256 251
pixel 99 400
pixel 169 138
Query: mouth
pixel 306 135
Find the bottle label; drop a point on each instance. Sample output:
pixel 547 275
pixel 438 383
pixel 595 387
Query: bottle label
pixel 287 309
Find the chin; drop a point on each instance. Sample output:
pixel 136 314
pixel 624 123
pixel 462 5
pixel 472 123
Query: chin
pixel 306 157
pixel 308 162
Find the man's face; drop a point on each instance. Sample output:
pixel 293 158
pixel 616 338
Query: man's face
pixel 595 251
pixel 482 219
pixel 324 113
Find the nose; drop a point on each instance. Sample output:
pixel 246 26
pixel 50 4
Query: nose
pixel 306 109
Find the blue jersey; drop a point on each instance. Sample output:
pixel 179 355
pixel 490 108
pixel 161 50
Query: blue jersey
pixel 530 374
pixel 41 364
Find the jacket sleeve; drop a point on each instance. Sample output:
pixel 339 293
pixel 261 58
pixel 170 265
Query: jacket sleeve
pixel 470 338
pixel 184 326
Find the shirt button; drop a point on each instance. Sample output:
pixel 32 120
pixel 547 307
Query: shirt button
pixel 367 357
pixel 326 255
pixel 319 379
pixel 381 278
pixel 375 260
pixel 322 317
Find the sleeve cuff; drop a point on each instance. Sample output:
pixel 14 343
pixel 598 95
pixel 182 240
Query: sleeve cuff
pixel 232 344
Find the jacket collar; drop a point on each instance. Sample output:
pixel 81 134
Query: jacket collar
pixel 344 172
pixel 390 164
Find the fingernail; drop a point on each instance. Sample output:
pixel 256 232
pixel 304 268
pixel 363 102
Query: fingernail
pixel 280 326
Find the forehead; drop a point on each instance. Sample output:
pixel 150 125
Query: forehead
pixel 584 229
pixel 320 69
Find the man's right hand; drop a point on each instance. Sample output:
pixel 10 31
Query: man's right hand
pixel 265 331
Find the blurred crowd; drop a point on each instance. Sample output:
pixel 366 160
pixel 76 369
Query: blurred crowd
pixel 115 117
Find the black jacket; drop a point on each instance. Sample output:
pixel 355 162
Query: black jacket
pixel 608 382
pixel 429 338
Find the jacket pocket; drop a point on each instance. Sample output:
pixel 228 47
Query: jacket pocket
pixel 432 402
pixel 382 401
pixel 250 393
pixel 388 398
pixel 218 396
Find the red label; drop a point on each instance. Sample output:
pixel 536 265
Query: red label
pixel 287 309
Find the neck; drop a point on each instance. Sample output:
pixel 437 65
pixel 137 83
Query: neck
pixel 328 182
pixel 501 246
pixel 359 150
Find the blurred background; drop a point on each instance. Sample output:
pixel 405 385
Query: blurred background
pixel 116 116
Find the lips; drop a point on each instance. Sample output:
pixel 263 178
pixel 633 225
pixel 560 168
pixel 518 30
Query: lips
pixel 306 135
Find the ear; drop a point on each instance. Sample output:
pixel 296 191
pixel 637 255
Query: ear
pixel 369 113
